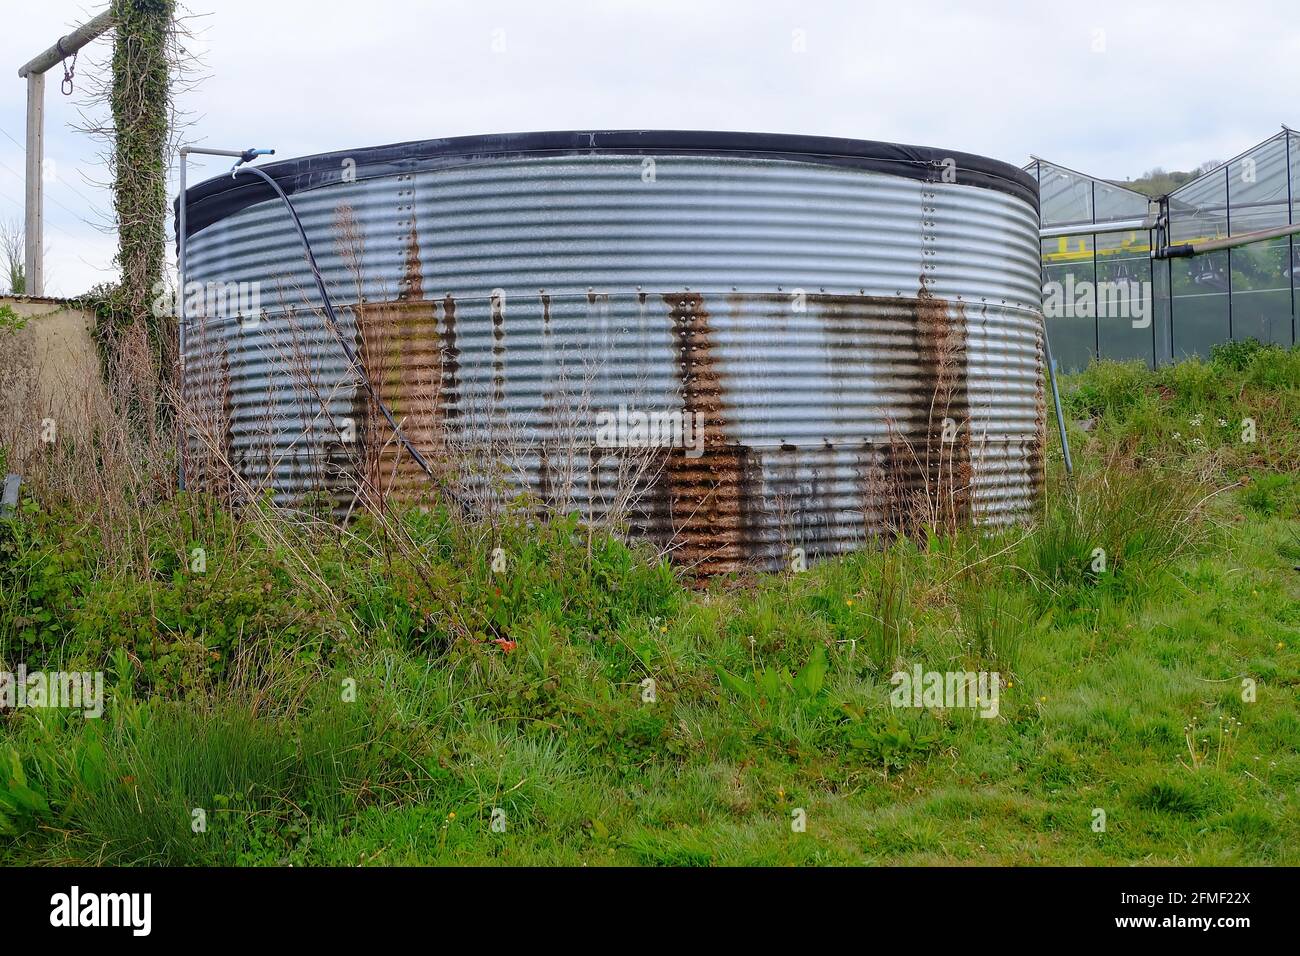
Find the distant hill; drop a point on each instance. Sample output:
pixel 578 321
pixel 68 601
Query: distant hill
pixel 1160 182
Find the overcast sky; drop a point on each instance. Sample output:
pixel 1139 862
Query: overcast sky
pixel 1111 88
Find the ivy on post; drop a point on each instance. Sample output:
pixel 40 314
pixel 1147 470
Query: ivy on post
pixel 137 337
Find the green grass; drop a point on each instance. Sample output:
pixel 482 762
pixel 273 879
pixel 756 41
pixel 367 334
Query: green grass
pixel 523 698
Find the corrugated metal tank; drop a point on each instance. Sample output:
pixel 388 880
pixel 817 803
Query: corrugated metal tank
pixel 857 325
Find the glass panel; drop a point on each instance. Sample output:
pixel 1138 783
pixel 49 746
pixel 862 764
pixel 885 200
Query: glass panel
pixel 1294 274
pixel 1066 264
pixel 1199 210
pixel 1115 202
pixel 1294 140
pixel 1164 344
pixel 1293 149
pixel 1182 306
pixel 1064 197
pixel 1068 250
pixel 1261 292
pixel 1125 310
pixel 1257 188
pixel 1200 303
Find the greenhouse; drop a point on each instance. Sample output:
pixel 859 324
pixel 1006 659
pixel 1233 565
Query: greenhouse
pixel 1126 276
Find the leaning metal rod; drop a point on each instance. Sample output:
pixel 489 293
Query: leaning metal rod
pixel 1056 399
pixel 329 311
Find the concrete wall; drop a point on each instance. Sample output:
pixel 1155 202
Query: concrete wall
pixel 49 368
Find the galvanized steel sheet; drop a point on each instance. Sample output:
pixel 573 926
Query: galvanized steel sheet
pixel 858 344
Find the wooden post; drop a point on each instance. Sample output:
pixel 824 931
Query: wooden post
pixel 34 234
pixel 69 44
pixel 34 72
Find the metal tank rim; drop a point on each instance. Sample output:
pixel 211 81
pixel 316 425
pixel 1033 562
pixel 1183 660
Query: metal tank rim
pixel 221 196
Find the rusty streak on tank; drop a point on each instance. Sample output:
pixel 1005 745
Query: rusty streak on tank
pixel 498 306
pixel 927 467
pixel 920 473
pixel 402 355
pixel 735 504
pixel 544 490
pixel 941 333
pixel 707 496
pixel 714 511
pixel 449 388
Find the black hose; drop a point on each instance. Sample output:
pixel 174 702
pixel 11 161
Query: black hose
pixel 334 325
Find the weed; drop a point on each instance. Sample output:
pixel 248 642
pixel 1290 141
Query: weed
pixel 370 691
pixel 892 745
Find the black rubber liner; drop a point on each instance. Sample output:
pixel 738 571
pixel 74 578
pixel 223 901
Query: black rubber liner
pixel 222 196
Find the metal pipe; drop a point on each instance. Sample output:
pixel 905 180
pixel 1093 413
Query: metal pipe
pixel 180 319
pixel 329 312
pixel 181 230
pixel 1100 228
pixel 1231 242
pixel 1168 251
